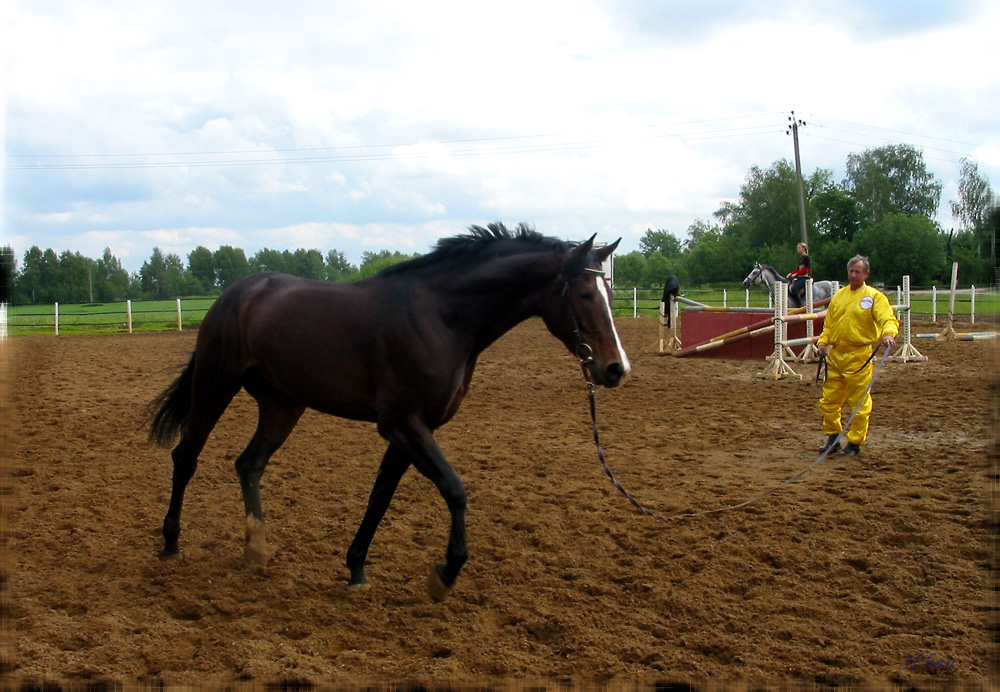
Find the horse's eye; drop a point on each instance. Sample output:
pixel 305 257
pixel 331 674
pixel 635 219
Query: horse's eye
pixel 586 295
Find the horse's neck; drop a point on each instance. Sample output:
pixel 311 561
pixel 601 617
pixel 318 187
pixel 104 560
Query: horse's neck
pixel 769 277
pixel 492 298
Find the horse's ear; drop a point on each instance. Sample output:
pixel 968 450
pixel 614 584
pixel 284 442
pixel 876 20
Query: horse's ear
pixel 579 252
pixel 602 253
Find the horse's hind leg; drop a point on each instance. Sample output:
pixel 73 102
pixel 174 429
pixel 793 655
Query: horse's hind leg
pixel 185 458
pixel 277 416
pixel 206 409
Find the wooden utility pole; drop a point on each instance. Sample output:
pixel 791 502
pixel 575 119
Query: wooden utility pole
pixel 793 128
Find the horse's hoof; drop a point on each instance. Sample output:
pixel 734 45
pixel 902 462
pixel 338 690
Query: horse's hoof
pixel 255 558
pixel 436 586
pixel 256 553
pixel 360 587
pixel 169 554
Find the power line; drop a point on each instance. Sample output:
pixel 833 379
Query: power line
pixel 462 148
pixel 386 152
pixel 813 135
pixel 886 129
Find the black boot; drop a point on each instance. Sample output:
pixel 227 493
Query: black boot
pixel 850 450
pixel 832 444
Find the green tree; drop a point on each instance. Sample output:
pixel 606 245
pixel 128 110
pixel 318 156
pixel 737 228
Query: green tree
pixel 8 266
pixel 963 247
pixel 974 197
pixel 49 278
pixel 628 269
pixel 658 268
pixel 892 179
pixel 663 242
pixel 903 244
pixel 308 264
pixel 153 275
pixel 374 262
pixel 695 232
pixel 114 280
pixel 28 282
pixel 338 268
pixel 838 217
pixel 717 257
pixel 76 276
pixel 975 245
pixel 767 212
pixel 175 281
pixel 267 260
pixel 230 265
pixel 201 265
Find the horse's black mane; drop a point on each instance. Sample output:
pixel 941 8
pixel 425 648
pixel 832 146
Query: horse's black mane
pixel 492 240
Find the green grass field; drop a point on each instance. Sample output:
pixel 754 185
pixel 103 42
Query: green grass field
pixel 147 315
pixel 162 315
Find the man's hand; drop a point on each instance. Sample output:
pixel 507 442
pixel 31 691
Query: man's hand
pixel 823 349
pixel 888 341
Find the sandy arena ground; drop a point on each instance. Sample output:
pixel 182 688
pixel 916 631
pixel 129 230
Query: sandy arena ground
pixel 844 576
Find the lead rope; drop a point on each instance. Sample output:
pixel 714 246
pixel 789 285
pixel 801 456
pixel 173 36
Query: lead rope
pixel 638 505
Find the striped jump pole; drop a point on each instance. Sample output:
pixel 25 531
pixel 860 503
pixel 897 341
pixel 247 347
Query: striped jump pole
pixel 963 336
pixel 778 367
pixel 803 341
pixel 788 319
pixel 709 345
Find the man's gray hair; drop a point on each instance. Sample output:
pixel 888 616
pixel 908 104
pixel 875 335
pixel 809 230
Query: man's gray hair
pixel 859 258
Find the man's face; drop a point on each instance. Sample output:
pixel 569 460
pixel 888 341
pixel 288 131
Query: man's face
pixel 856 274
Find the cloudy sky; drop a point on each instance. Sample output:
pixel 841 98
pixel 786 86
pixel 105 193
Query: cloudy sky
pixel 383 125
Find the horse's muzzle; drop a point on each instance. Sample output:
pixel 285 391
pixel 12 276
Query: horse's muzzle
pixel 610 376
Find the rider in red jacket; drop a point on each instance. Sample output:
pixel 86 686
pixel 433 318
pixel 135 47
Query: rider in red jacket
pixel 798 277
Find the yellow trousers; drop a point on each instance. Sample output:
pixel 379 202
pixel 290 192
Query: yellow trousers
pixel 845 384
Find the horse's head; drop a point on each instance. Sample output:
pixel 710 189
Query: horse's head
pixel 754 277
pixel 578 313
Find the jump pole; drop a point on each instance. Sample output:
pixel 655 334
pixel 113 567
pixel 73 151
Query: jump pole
pixel 809 353
pixel 709 345
pixel 804 341
pixel 778 367
pixel 963 336
pixel 809 317
pixel 906 352
pixel 949 329
pixel 670 342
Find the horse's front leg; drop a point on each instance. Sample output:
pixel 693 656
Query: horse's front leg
pixel 394 465
pixel 425 455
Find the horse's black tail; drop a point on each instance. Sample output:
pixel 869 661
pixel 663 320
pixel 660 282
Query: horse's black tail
pixel 169 411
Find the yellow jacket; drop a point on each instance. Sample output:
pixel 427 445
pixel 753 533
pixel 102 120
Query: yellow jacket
pixel 857 318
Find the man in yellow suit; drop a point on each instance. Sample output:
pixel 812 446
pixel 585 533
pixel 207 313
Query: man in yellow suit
pixel 858 318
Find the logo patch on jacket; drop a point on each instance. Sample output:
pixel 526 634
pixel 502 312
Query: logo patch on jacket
pixel 867 302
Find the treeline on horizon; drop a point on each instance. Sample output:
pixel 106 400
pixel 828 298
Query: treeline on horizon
pixel 69 277
pixel 884 209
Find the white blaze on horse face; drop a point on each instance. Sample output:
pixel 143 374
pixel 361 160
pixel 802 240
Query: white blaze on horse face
pixel 604 290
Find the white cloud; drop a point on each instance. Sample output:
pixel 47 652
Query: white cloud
pixel 363 126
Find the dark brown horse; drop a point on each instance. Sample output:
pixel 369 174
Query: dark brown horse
pixel 397 349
